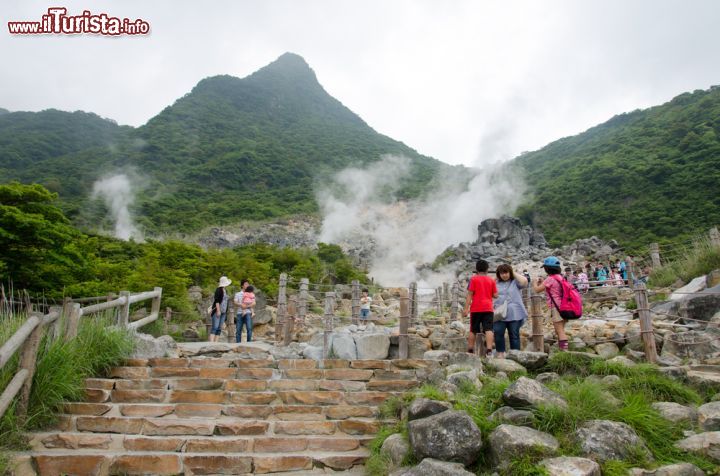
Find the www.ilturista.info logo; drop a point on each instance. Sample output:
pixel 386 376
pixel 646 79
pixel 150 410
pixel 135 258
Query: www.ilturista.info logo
pixel 58 22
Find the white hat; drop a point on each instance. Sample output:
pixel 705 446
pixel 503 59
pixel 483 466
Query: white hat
pixel 224 281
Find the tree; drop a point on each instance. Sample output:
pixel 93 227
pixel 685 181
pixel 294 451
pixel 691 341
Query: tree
pixel 36 251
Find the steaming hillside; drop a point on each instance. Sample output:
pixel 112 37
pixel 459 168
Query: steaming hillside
pixel 639 177
pixel 231 149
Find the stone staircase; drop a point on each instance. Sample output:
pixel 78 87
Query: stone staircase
pixel 222 415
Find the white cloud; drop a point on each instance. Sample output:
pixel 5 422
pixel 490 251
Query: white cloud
pixel 465 81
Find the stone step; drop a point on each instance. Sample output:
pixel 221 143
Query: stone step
pixel 155 375
pixel 210 410
pixel 224 426
pixel 100 390
pixel 282 364
pixel 102 463
pixel 59 442
pixel 328 392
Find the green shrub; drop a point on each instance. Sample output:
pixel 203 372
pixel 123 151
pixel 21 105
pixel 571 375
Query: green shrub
pixel 645 379
pixel 60 372
pixel 698 260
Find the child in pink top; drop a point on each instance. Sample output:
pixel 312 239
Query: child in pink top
pixel 248 299
pixel 553 290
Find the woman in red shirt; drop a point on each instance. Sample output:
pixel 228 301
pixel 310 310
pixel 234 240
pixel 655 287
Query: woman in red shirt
pixel 482 289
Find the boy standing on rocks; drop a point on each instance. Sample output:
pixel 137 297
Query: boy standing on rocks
pixel 482 289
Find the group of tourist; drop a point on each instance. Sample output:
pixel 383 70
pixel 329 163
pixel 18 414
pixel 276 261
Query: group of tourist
pixel 244 301
pixel 495 305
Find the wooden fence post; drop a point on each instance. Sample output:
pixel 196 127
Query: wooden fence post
pixel 73 322
pixel 302 302
pixel 356 302
pixel 646 325
pixel 445 295
pixel 124 317
pixel 414 304
pixel 290 320
pixel 438 296
pixel 168 318
pixel 715 237
pixel 632 275
pixel 62 323
pixel 655 255
pixel 403 344
pixel 329 311
pixel 281 308
pixel 155 306
pixel 28 359
pixel 536 314
pixel 455 304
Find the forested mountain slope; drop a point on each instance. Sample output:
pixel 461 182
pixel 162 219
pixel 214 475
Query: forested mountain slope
pixel 649 175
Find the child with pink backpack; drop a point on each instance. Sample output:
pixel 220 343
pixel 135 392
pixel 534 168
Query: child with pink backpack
pixel 563 300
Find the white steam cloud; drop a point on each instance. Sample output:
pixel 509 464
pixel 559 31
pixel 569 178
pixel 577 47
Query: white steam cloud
pixel 118 193
pixel 404 234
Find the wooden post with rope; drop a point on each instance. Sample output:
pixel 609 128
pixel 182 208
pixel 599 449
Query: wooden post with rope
pixel 124 317
pixel 715 237
pixel 28 359
pixel 445 295
pixel 356 302
pixel 302 302
pixel 329 311
pixel 413 304
pixel 655 255
pixel 536 315
pixel 455 304
pixel 282 308
pixel 646 325
pixel 290 319
pixel 168 318
pixel 403 344
pixel 438 297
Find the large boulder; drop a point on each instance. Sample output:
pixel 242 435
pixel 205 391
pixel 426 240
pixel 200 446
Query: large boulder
pixel 509 441
pixel 372 346
pixel 512 416
pixel 607 350
pixel 704 444
pixel 469 376
pixel 448 436
pixel 396 447
pixel 701 306
pixel 694 286
pixel 343 346
pixel 675 412
pixel 709 416
pixel 424 407
pixel 433 467
pixel 698 345
pixel 570 466
pixel 678 469
pixel 504 365
pixel 529 360
pixel 147 346
pixel 603 440
pixel 525 392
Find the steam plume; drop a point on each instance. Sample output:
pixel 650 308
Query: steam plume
pixel 118 193
pixel 356 207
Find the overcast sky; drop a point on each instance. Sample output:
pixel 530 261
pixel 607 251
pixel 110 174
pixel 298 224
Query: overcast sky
pixel 469 82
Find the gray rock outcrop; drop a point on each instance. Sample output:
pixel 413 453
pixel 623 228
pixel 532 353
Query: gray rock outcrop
pixel 448 436
pixel 525 392
pixel 570 466
pixel 603 440
pixel 433 467
pixel 424 407
pixel 509 441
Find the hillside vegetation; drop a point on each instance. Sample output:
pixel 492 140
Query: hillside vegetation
pixel 646 176
pixel 231 149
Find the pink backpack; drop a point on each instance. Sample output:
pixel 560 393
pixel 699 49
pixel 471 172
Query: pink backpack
pixel 570 301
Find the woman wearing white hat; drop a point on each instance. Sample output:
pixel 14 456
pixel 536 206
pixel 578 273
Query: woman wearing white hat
pixel 219 309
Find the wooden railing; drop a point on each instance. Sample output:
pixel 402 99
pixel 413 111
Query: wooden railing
pixel 29 335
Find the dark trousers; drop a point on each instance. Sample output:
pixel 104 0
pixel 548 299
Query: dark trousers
pixel 513 329
pixel 243 319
